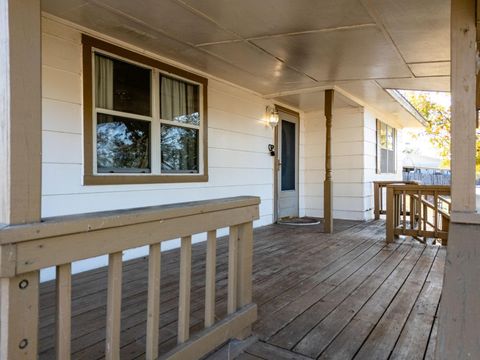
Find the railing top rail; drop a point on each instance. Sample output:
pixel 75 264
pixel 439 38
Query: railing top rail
pixel 88 222
pixel 441 189
pixel 388 182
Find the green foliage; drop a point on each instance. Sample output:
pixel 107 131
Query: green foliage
pixel 438 124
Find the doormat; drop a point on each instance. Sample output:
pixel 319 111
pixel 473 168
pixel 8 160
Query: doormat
pixel 299 221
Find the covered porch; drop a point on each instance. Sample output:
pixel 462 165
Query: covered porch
pixel 72 191
pixel 338 296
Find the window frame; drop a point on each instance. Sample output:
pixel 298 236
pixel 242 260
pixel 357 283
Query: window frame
pixel 91 46
pixel 379 148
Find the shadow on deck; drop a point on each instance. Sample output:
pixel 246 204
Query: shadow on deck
pixel 322 296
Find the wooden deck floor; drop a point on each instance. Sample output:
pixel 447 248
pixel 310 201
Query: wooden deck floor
pixel 341 296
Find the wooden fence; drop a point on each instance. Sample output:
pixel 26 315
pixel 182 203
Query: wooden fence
pixel 26 249
pixel 420 211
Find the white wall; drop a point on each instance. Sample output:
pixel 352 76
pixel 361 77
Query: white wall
pixel 239 163
pixel 353 163
pixel 370 156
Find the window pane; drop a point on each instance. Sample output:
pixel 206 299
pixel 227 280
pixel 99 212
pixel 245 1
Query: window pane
pixel 122 86
pixel 179 101
pixel 123 145
pixel 389 138
pixel 383 136
pixel 391 161
pixel 288 155
pixel 383 160
pixel 179 149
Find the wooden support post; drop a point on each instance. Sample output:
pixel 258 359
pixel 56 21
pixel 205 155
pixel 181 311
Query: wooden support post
pixel 376 200
pixel 391 207
pixel 459 315
pixel 184 291
pixel 327 185
pixel 210 272
pixel 19 314
pixel 153 302
pixel 64 311
pixel 20 167
pixel 114 306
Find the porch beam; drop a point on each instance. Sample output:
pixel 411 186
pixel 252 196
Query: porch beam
pixel 20 167
pixel 327 184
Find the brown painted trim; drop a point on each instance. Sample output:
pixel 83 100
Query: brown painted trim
pixel 287 111
pixel 141 179
pixel 89 43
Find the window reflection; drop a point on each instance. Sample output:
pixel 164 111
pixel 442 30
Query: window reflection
pixel 123 145
pixel 179 149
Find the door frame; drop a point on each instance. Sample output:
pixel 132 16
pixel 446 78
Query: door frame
pixel 296 114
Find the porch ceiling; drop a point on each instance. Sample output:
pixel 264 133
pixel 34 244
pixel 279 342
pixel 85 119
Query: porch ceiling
pixel 279 48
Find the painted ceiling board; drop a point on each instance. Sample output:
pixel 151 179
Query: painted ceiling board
pixel 186 25
pixel 374 95
pixel 420 29
pixel 439 83
pixel 314 101
pixel 431 69
pixel 254 60
pixel 362 53
pixel 252 18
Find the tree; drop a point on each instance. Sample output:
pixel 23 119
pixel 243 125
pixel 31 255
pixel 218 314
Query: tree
pixel 438 124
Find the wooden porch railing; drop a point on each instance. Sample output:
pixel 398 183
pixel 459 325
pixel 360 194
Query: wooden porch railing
pixel 421 211
pixel 26 249
pixel 380 195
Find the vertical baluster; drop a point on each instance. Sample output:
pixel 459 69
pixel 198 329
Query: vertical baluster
pixel 114 306
pixel 232 269
pixel 184 291
pixel 390 225
pixel 64 311
pixel 404 209
pixel 245 261
pixel 153 302
pixel 435 207
pixel 210 278
pixel 376 200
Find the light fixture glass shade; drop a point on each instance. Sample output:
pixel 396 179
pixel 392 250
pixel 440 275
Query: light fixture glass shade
pixel 272 116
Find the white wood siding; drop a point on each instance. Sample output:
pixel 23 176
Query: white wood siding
pixel 353 162
pixel 239 163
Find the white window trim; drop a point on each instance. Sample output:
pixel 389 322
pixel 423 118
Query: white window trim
pixel 155 122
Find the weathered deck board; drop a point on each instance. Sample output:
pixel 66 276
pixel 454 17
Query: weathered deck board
pixel 313 291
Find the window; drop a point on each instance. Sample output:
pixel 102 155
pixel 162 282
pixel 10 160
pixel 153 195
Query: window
pixel 386 145
pixel 144 121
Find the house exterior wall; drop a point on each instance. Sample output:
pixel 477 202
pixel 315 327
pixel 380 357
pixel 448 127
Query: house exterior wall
pixel 239 161
pixel 353 162
pixel 238 138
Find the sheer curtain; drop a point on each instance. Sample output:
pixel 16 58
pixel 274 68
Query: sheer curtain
pixel 104 82
pixel 177 99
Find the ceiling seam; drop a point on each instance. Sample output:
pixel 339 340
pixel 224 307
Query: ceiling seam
pixel 376 17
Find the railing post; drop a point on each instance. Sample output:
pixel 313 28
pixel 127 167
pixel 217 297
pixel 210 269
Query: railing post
pixel 19 316
pixel 376 200
pixel 391 207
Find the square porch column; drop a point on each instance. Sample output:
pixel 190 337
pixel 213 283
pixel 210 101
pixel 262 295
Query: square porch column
pixel 20 167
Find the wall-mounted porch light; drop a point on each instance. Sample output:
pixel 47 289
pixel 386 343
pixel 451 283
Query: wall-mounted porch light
pixel 271 115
